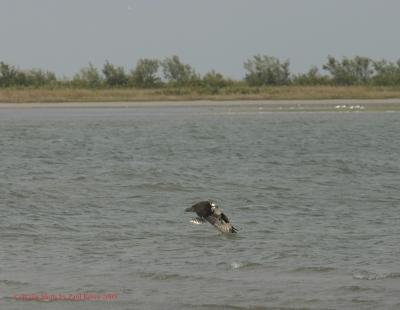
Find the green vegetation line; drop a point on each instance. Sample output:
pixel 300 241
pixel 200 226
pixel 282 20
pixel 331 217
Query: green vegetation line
pixel 170 79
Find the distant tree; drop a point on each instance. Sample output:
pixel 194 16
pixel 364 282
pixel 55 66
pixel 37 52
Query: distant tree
pixel 22 79
pixel 214 81
pixel 8 75
pixel 354 71
pixel 145 73
pixel 312 77
pixel 114 76
pixel 88 77
pixel 266 70
pixel 178 73
pixel 38 77
pixel 386 73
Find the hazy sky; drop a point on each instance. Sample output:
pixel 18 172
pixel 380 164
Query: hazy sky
pixel 64 35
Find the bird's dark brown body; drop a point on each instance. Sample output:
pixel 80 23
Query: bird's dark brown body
pixel 208 211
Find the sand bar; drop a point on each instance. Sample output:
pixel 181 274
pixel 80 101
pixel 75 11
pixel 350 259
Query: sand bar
pixel 273 105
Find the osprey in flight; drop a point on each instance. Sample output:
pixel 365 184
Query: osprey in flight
pixel 209 211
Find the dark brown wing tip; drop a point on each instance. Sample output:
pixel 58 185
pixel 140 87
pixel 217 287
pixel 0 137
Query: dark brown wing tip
pixel 224 217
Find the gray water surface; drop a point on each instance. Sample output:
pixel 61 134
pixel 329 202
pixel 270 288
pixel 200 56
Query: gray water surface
pixel 92 200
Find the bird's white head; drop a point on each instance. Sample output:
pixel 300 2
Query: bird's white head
pixel 214 208
pixel 213 205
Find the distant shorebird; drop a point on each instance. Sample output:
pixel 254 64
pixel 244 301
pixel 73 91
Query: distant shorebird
pixel 209 211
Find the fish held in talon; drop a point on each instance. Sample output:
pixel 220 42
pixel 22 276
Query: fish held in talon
pixel 209 211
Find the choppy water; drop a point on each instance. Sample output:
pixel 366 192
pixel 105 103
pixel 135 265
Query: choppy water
pixel 92 200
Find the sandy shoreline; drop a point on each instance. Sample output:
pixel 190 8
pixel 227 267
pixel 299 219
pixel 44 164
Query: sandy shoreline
pixel 332 104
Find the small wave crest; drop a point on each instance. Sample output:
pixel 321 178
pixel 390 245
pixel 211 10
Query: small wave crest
pixel 240 265
pixel 161 276
pixel 355 289
pixel 370 275
pixel 232 307
pixel 12 282
pixel 314 269
pixel 19 227
pixel 163 187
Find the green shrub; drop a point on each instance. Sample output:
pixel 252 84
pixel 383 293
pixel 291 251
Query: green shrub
pixel 356 71
pixel 312 77
pixel 8 75
pixel 387 73
pixel 88 77
pixel 114 76
pixel 145 73
pixel 177 73
pixel 213 82
pixel 266 70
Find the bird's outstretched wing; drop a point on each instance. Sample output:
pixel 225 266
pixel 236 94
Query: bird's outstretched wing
pixel 221 222
pixel 198 220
